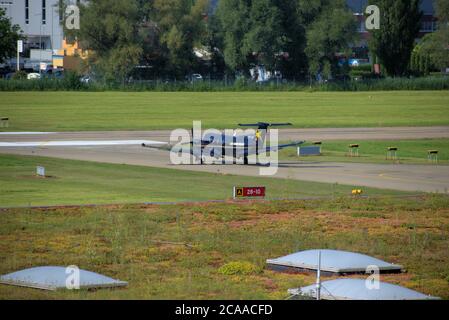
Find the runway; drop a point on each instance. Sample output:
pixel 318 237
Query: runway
pixel 126 149
pixel 322 134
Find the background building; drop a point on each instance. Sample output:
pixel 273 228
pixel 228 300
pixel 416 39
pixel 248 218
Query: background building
pixel 428 23
pixel 361 52
pixel 40 23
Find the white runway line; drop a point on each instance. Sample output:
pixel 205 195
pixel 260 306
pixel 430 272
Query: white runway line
pixel 79 143
pixel 24 133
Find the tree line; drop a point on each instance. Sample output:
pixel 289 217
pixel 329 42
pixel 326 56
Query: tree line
pixel 295 37
pixel 299 38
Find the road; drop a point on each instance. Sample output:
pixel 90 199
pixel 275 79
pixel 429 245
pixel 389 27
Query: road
pixel 322 134
pixel 123 148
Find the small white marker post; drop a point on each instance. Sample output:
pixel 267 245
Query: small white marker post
pixel 40 171
pixel 318 278
pixel 19 51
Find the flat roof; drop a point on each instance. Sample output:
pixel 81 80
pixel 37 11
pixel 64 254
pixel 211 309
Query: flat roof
pixel 334 261
pixel 356 289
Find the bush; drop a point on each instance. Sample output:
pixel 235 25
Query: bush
pixel 363 71
pixel 389 84
pixel 239 268
pixel 71 82
pixel 241 83
pixel 19 75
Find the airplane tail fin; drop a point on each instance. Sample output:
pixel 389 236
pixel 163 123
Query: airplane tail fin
pixel 262 128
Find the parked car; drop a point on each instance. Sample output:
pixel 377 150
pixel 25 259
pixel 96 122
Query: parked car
pixel 53 74
pixel 354 62
pixel 86 79
pixel 33 76
pixel 195 77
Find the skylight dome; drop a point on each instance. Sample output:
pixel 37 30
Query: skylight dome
pixel 54 278
pixel 332 261
pixel 356 289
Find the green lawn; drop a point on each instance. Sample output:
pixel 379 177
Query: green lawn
pixel 72 111
pixel 144 245
pixel 409 151
pixel 80 182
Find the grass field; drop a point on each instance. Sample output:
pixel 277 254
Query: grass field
pixel 130 243
pixel 80 182
pixel 77 111
pixel 409 151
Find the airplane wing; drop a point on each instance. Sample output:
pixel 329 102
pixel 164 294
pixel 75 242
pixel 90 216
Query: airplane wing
pixel 165 147
pixel 79 143
pixel 240 149
pixel 252 150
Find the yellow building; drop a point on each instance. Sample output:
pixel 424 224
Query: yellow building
pixel 70 56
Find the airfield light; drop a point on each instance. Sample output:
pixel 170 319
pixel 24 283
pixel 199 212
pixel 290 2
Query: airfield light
pixel 4 122
pixel 392 153
pixel 432 156
pixel 353 150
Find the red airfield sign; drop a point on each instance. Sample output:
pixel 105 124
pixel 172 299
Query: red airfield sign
pixel 249 192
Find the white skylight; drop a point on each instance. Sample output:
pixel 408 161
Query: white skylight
pixel 332 261
pixel 54 278
pixel 356 289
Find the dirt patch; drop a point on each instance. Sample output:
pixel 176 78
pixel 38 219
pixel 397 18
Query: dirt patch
pixel 255 218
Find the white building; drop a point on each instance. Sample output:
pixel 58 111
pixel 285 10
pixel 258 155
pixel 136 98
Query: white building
pixel 40 23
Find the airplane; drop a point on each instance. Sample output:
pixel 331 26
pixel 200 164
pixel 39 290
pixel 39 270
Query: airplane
pixel 240 146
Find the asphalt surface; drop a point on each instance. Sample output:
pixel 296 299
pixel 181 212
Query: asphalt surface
pixel 323 134
pixel 426 178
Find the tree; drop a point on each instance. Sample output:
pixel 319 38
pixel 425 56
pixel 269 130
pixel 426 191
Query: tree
pixel 331 28
pixel 265 38
pixel 288 35
pixel 121 34
pixel 233 16
pixel 421 62
pixel 252 33
pixel 9 35
pixel 442 10
pixel 213 43
pixel 435 46
pixel 109 30
pixel 294 62
pixel 182 27
pixel 399 27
